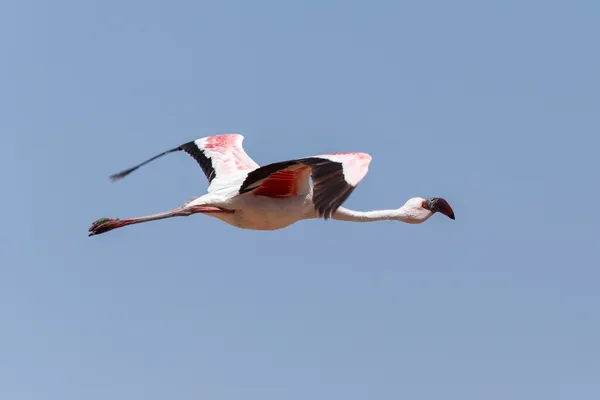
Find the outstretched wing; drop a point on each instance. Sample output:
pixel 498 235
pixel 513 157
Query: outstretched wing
pixel 334 177
pixel 218 156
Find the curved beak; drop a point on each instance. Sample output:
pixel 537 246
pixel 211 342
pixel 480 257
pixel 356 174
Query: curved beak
pixel 437 204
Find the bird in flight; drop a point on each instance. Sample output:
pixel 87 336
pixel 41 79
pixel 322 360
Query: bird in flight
pixel 274 196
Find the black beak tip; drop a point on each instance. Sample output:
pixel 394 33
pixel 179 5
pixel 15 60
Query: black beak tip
pixel 437 204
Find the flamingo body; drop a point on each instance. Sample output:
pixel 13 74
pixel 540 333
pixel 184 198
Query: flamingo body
pixel 264 214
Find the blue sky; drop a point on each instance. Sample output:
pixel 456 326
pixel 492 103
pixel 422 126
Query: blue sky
pixel 491 105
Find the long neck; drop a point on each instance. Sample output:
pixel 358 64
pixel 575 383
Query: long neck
pixel 344 214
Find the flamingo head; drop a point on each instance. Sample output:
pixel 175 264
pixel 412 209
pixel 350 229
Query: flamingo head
pixel 419 209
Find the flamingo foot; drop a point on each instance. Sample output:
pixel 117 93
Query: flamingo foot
pixel 103 225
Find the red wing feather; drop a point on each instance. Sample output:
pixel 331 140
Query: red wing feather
pixel 283 183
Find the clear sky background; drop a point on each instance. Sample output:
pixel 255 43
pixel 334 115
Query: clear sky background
pixel 491 105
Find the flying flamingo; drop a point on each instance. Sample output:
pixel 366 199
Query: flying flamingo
pixel 274 196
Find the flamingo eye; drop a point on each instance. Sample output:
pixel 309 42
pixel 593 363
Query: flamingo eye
pixel 424 204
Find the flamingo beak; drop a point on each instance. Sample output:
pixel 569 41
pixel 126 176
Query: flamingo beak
pixel 436 204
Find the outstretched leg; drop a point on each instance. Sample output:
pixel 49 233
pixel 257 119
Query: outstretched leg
pixel 108 224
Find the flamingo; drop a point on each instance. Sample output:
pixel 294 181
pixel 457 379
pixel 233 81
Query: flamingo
pixel 274 196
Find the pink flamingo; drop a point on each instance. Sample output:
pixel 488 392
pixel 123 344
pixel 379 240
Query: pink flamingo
pixel 274 196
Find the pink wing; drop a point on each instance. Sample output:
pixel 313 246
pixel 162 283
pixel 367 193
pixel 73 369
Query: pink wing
pixel 334 176
pixel 219 156
pixel 224 152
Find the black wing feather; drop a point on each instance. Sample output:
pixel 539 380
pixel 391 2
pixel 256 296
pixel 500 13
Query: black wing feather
pixel 201 159
pixel 191 148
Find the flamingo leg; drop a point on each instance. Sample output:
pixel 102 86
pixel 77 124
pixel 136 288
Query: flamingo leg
pixel 103 225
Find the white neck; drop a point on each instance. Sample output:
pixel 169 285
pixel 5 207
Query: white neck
pixel 344 214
